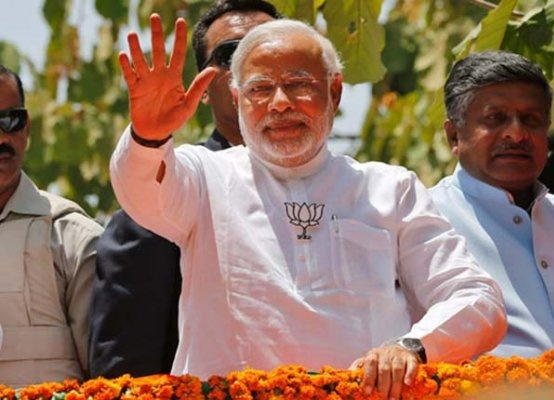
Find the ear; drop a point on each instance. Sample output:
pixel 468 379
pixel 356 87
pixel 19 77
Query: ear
pixel 235 94
pixel 27 131
pixel 451 136
pixel 205 99
pixel 336 90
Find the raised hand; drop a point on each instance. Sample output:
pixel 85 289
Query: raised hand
pixel 158 100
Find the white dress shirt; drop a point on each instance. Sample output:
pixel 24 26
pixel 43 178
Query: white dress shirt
pixel 259 290
pixel 515 248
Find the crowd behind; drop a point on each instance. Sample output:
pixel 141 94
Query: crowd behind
pixel 260 247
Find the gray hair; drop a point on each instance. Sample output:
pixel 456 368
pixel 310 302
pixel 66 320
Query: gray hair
pixel 282 27
pixel 487 68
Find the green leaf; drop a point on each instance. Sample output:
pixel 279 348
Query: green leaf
pixel 353 28
pixel 10 56
pixel 286 7
pixel 55 12
pixel 488 35
pixel 494 25
pixel 116 10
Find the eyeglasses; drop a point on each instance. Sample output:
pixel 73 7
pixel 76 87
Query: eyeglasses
pixel 261 91
pixel 222 54
pixel 13 119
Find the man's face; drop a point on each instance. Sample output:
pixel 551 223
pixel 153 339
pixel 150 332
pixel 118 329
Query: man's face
pixel 231 25
pixel 503 141
pixel 286 100
pixel 12 145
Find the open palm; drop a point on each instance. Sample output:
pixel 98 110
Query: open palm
pixel 158 100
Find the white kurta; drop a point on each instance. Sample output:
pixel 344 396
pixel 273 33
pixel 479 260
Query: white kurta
pixel 255 294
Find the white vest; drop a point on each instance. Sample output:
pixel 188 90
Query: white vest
pixel 37 344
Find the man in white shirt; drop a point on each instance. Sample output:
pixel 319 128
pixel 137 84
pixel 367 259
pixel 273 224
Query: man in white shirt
pixel 498 109
pixel 291 254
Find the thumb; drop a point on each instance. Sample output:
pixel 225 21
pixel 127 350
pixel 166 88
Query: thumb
pixel 199 85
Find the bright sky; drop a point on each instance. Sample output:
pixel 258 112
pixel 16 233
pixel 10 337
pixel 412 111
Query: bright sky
pixel 25 27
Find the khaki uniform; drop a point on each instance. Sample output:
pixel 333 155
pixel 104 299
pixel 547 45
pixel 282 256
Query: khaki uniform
pixel 44 311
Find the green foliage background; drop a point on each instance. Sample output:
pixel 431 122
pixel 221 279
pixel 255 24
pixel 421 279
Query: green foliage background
pixel 79 106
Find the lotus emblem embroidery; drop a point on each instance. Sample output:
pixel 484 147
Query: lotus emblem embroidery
pixel 304 215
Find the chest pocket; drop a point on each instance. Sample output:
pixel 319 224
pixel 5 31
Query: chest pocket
pixel 13 237
pixel 363 258
pixel 24 241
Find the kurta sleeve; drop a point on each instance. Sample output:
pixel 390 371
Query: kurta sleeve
pixel 460 306
pixel 167 206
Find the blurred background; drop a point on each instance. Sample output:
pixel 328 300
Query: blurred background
pixel 396 55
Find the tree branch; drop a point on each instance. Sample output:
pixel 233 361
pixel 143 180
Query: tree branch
pixel 491 6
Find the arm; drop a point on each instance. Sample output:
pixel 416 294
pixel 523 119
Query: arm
pixel 159 105
pixel 459 307
pixel 74 236
pixel 134 304
pixel 462 307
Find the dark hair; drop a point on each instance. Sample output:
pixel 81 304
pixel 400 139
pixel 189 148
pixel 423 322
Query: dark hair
pixel 217 10
pixel 487 68
pixel 17 79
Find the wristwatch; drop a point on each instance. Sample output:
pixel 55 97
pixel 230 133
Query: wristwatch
pixel 414 345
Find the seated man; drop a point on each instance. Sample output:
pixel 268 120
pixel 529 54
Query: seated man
pixel 47 247
pixel 294 255
pixel 498 114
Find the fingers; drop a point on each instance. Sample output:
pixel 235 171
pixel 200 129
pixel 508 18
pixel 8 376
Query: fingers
pixel 387 369
pixel 137 55
pixel 138 58
pixel 178 55
pixel 158 45
pixel 396 377
pixel 128 72
pixel 411 371
pixel 371 368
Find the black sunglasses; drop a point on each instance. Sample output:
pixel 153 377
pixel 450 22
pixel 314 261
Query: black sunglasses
pixel 221 55
pixel 13 119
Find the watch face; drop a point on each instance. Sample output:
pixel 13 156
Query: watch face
pixel 415 346
pixel 412 344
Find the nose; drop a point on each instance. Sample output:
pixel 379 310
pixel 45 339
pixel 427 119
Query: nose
pixel 280 101
pixel 515 130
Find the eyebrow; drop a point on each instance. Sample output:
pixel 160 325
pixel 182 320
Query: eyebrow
pixel 287 74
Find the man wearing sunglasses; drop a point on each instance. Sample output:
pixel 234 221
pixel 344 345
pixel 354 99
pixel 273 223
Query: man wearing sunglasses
pixel 292 254
pixel 128 289
pixel 47 262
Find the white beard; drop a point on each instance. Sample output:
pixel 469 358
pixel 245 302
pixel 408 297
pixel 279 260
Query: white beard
pixel 291 153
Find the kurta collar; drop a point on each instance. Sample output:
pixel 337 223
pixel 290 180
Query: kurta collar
pixel 310 168
pixel 482 190
pixel 26 200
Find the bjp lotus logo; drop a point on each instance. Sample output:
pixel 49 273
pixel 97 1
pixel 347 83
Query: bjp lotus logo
pixel 304 215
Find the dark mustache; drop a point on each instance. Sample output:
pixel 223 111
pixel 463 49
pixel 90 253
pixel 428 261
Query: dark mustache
pixel 6 148
pixel 507 146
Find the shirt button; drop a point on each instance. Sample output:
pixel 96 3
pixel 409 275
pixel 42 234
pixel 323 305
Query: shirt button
pixel 302 258
pixel 544 264
pixel 517 219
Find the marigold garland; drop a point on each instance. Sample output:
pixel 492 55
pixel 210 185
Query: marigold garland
pixel 488 377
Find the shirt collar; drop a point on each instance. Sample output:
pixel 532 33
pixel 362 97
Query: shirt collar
pixel 301 171
pixel 26 200
pixel 480 189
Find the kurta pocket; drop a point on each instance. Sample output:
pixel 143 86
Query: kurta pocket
pixel 363 258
